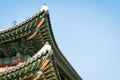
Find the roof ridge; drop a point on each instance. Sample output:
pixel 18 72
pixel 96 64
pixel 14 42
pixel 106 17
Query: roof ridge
pixel 43 8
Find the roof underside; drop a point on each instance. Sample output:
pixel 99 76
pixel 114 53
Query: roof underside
pixel 28 38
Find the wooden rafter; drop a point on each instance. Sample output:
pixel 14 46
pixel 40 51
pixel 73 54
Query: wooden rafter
pixel 38 26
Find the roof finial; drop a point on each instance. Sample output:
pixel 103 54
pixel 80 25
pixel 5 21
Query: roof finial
pixel 44 4
pixel 44 8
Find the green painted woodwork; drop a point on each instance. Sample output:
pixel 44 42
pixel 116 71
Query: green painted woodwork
pixel 32 68
pixel 12 60
pixel 16 40
pixel 37 29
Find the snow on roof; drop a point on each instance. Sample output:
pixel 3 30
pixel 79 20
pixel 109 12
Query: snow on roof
pixel 44 8
pixel 2 29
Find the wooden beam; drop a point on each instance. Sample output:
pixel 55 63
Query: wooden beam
pixel 38 26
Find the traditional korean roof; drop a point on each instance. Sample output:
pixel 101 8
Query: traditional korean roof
pixel 28 39
pixel 38 66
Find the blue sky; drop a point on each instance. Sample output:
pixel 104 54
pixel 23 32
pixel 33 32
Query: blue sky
pixel 86 31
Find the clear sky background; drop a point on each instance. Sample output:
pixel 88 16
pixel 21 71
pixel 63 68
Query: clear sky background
pixel 86 31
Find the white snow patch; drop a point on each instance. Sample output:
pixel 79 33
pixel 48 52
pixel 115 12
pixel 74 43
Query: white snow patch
pixel 44 8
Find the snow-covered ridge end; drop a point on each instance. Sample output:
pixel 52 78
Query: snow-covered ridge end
pixel 44 49
pixel 44 8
